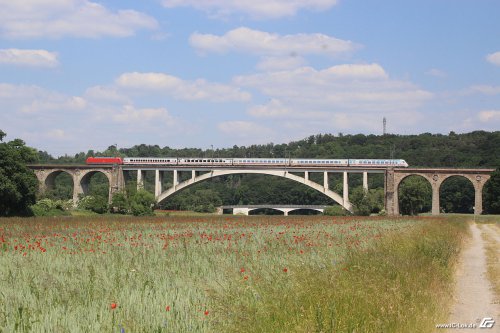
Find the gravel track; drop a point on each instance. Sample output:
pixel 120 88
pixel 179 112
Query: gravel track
pixel 474 298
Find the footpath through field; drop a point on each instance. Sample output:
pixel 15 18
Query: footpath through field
pixel 474 297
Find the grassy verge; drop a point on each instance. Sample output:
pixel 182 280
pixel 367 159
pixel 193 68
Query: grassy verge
pixel 400 284
pixel 492 249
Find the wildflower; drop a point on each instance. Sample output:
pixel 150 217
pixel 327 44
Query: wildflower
pixel 242 270
pixel 167 308
pixel 285 270
pixel 113 306
pixel 206 312
pixel 245 277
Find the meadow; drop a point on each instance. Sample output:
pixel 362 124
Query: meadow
pixel 226 273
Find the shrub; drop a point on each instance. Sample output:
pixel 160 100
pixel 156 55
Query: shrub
pixel 48 207
pixel 96 203
pixel 336 211
pixel 120 203
pixel 142 203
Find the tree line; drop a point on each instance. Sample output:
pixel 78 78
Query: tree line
pixel 475 149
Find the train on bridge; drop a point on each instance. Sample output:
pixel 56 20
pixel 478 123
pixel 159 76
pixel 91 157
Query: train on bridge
pixel 247 161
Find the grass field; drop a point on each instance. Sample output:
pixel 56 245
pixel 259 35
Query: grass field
pixel 231 273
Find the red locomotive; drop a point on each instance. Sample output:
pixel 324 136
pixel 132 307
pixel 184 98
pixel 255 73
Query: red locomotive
pixel 104 160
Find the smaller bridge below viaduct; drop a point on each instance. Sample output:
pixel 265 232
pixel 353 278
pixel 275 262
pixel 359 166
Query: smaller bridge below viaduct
pixel 245 210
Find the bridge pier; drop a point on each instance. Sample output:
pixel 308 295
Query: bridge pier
pixel 140 179
pixel 158 182
pixel 345 190
pixel 435 195
pixel 175 179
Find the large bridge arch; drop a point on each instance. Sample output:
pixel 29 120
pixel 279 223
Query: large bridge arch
pixel 48 181
pixel 410 206
pixel 85 177
pixel 284 174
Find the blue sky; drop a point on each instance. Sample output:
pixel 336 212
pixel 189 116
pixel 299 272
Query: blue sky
pixel 79 74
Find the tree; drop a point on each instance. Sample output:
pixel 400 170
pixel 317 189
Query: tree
pixel 141 203
pixel 119 203
pixel 492 193
pixel 366 202
pixel 457 195
pixel 18 184
pixel 414 195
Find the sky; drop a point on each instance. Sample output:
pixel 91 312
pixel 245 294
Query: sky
pixel 77 75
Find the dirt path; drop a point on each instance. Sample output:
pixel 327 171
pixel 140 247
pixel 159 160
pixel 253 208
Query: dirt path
pixel 474 297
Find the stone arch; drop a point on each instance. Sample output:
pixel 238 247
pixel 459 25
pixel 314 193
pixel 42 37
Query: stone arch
pixel 404 177
pixel 48 179
pixel 285 174
pixel 446 203
pixel 83 181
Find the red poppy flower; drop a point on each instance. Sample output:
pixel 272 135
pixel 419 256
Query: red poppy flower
pixel 206 312
pixel 113 306
pixel 285 269
pixel 242 270
pixel 167 308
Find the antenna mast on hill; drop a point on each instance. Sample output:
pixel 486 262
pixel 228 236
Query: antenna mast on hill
pixel 385 126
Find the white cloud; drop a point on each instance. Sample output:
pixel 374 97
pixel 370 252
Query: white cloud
pixel 74 18
pixel 489 115
pixel 274 108
pixel 353 88
pixel 280 63
pixel 485 89
pixel 34 58
pixel 36 100
pixel 106 94
pixel 199 89
pixel 130 114
pixel 245 130
pixel 494 58
pixel 48 119
pixel 262 43
pixel 13 92
pixel 54 102
pixel 259 9
pixel 57 134
pixel 436 73
pixel 349 71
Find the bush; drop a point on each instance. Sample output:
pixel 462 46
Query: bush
pixel 142 203
pixel 96 203
pixel 48 207
pixel 120 203
pixel 336 211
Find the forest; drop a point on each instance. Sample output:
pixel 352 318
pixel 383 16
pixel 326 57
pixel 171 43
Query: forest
pixel 475 149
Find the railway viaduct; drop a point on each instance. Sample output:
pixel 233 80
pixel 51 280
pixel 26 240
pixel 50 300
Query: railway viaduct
pixel 81 175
